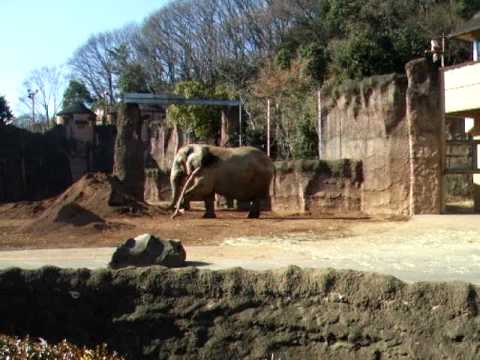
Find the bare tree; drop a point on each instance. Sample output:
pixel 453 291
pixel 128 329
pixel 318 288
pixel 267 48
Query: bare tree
pixel 46 85
pixel 203 40
pixel 94 62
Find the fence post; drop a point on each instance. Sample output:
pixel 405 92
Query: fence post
pixel 268 127
pixel 319 122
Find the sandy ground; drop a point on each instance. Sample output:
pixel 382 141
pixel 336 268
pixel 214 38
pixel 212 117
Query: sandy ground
pixel 433 248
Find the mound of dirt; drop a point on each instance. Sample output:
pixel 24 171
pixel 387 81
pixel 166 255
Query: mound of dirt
pixel 90 201
pixel 23 209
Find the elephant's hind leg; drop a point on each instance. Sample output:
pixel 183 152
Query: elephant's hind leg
pixel 254 212
pixel 210 207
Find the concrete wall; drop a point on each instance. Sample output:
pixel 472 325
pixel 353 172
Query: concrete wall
pixel 393 125
pixel 157 186
pixel 33 166
pixel 317 187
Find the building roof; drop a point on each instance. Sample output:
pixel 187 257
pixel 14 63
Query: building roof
pixel 469 31
pixel 76 108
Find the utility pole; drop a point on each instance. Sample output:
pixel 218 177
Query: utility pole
pixel 31 96
pixel 443 50
pixel 319 123
pixel 268 127
pixel 240 143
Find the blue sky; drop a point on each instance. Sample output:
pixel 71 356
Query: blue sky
pixel 36 33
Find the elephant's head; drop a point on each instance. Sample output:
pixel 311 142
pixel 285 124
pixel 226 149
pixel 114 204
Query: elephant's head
pixel 188 159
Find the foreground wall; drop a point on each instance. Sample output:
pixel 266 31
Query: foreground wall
pixel 155 313
pixel 393 124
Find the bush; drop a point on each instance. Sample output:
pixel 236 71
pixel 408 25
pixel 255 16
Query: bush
pixel 38 349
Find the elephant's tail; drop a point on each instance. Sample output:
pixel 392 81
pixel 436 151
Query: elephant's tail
pixel 274 182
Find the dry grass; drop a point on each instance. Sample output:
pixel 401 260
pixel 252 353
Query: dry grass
pixel 13 348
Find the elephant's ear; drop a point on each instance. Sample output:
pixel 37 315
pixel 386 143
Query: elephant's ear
pixel 208 159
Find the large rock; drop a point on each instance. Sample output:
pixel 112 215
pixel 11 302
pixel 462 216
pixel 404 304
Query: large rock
pixel 129 163
pixel 147 250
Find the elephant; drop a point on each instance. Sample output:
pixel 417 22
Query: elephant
pixel 200 171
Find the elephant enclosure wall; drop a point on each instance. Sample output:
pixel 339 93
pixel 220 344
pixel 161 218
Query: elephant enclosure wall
pixel 156 313
pixel 393 124
pixel 317 186
pixel 33 166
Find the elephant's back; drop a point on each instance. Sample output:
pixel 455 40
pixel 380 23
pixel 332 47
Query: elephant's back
pixel 243 173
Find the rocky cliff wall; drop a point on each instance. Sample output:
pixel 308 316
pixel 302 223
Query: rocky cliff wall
pixel 393 124
pixel 368 122
pixel 317 186
pixel 33 166
pixel 427 134
pixel 157 186
pixel 156 313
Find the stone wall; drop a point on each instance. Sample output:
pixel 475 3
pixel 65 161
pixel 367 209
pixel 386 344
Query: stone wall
pixel 157 186
pixel 312 186
pixel 156 313
pixel 393 124
pixel 129 157
pixel 33 166
pixel 427 131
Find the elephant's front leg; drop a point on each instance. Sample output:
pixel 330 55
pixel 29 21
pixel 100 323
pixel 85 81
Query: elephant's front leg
pixel 210 207
pixel 254 212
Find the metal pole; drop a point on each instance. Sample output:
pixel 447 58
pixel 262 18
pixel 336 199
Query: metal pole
pixel 443 50
pixel 33 108
pixel 268 127
pixel 31 95
pixel 319 123
pixel 240 122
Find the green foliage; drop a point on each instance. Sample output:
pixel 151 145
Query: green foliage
pixel 352 39
pixel 306 144
pixel 466 8
pixel 5 112
pixel 256 138
pixel 201 121
pixel 133 78
pixel 362 54
pixel 75 92
pixel 378 39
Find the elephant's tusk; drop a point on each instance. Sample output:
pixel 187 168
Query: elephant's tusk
pixel 182 194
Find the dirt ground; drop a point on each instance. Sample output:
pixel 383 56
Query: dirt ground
pixel 424 248
pixel 190 228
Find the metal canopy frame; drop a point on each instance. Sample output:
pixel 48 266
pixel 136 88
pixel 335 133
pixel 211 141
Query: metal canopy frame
pixel 170 99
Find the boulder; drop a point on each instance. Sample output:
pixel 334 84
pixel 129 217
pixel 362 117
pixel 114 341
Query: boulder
pixel 147 250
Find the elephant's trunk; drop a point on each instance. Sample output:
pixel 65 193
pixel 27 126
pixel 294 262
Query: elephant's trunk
pixel 176 185
pixel 182 194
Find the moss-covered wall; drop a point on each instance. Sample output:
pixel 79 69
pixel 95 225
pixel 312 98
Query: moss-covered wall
pixel 156 313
